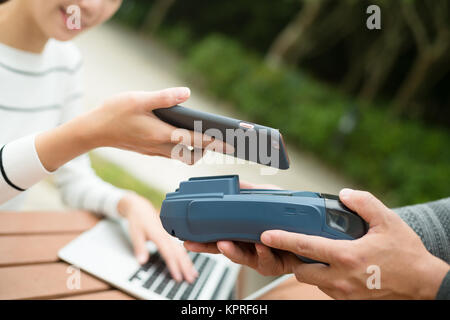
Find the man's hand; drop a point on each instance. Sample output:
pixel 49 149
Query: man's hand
pixel 266 261
pixel 145 224
pixel 407 269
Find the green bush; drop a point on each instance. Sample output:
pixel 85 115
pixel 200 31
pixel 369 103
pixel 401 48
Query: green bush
pixel 179 37
pixel 403 161
pixel 132 13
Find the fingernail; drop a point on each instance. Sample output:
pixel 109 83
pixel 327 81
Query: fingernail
pixel 192 278
pixel 142 258
pixel 345 193
pixel 266 238
pixel 182 93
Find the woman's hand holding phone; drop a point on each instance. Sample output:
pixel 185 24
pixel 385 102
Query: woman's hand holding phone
pixel 125 121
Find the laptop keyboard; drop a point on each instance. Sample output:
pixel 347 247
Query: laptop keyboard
pixel 154 276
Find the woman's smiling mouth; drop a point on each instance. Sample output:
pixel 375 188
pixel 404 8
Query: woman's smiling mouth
pixel 67 13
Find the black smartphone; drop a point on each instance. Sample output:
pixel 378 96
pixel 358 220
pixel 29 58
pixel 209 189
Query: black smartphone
pixel 251 141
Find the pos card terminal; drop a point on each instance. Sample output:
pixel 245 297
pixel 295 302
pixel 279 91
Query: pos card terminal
pixel 208 209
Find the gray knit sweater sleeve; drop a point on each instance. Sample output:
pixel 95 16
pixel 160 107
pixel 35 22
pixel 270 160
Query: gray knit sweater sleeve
pixel 431 221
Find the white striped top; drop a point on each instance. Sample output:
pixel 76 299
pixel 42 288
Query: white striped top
pixel 39 92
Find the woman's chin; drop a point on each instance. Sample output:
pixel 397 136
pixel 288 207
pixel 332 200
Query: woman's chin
pixel 66 35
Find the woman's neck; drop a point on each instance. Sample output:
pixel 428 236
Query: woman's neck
pixel 19 30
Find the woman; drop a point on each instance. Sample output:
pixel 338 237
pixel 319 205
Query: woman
pixel 43 130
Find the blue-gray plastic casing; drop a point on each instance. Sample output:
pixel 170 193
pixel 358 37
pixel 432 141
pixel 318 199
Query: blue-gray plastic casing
pixel 208 209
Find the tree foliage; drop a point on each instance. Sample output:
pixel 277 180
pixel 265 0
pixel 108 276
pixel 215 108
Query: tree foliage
pixel 405 63
pixel 373 103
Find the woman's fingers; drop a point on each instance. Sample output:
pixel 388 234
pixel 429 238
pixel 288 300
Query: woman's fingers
pixel 176 258
pixel 186 265
pixel 171 259
pixel 189 153
pixel 216 145
pixel 138 240
pixel 159 99
pixel 196 139
pixel 182 153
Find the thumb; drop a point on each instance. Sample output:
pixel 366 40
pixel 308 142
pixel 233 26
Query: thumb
pixel 366 205
pixel 161 99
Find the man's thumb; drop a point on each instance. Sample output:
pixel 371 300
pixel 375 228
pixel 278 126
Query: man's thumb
pixel 365 205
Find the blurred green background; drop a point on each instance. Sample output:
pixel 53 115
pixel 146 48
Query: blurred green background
pixel 372 103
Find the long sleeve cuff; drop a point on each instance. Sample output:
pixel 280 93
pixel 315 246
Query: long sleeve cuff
pixel 110 206
pixel 20 167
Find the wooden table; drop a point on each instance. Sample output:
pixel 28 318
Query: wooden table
pixel 29 265
pixel 31 269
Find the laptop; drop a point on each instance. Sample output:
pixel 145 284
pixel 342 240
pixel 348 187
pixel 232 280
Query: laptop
pixel 105 251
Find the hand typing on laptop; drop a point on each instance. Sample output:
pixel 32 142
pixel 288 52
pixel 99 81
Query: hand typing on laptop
pixel 145 225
